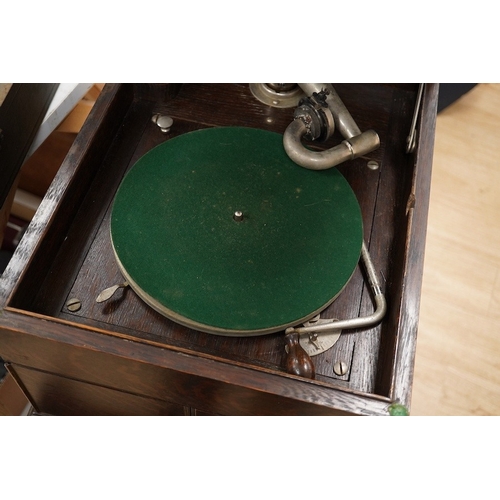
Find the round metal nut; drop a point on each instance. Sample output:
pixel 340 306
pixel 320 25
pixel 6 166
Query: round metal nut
pixel 164 122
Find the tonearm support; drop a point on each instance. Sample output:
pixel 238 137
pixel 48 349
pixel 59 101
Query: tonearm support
pixel 298 361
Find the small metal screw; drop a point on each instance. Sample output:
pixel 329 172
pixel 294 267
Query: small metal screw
pixel 340 368
pixel 164 122
pixel 74 304
pixel 373 165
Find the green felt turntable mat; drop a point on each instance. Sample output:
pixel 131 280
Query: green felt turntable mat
pixel 178 244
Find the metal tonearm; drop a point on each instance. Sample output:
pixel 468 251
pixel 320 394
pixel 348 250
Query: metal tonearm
pixel 325 326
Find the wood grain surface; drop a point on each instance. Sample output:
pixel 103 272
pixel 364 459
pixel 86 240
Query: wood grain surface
pixel 457 368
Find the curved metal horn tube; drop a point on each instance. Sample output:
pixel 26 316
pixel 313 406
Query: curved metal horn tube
pixel 348 149
pixel 355 144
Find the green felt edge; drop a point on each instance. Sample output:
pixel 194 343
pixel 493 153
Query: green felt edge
pixel 164 311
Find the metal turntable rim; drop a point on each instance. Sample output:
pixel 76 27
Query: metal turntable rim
pixel 182 250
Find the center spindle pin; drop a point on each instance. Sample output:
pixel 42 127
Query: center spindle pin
pixel 238 216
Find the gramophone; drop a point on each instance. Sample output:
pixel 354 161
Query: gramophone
pixel 228 249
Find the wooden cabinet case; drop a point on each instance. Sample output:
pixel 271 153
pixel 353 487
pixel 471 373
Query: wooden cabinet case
pixel 121 357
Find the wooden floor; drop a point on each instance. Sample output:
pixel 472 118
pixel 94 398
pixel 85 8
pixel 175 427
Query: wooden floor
pixel 457 368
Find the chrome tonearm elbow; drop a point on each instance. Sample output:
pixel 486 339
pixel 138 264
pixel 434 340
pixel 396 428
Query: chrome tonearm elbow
pixel 315 119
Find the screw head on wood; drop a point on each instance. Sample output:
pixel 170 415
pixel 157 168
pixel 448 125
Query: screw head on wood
pixel 74 304
pixel 340 368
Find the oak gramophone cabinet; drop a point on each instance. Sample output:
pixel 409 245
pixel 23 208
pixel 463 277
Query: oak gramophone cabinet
pixel 124 355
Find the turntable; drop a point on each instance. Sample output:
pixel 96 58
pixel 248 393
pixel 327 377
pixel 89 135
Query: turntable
pixel 228 249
